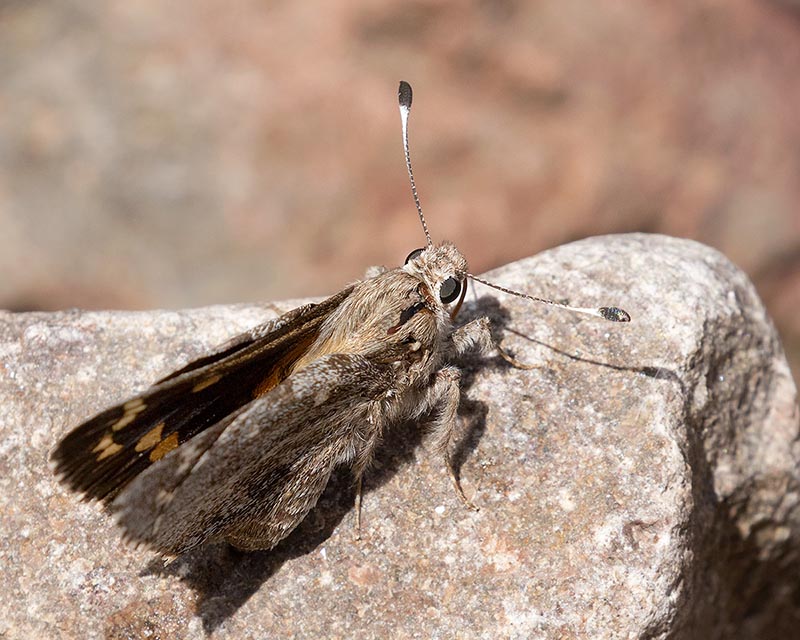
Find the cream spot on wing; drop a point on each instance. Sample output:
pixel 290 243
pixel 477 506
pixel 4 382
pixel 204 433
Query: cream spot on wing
pixel 164 497
pixel 110 450
pixel 137 404
pixel 105 442
pixel 156 525
pixel 206 383
pixel 151 438
pixel 164 447
pixel 132 408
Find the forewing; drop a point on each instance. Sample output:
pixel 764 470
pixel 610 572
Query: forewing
pixel 253 478
pixel 102 455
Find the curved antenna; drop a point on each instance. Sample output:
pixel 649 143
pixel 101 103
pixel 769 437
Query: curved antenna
pixel 613 314
pixel 404 96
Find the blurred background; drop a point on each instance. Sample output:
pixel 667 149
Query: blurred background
pixel 175 154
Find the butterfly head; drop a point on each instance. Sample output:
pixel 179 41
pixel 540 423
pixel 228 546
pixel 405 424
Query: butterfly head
pixel 443 269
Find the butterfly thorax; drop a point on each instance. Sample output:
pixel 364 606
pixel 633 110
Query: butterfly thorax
pixel 396 317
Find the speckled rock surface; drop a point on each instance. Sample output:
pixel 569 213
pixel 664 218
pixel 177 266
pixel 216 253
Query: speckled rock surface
pixel 640 483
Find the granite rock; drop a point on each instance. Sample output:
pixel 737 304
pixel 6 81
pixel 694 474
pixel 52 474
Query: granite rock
pixel 641 482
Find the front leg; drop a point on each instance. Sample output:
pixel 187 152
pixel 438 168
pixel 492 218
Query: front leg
pixel 364 459
pixel 445 393
pixel 476 335
pixel 444 396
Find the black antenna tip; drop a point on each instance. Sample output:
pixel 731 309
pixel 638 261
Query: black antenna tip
pixel 404 94
pixel 614 314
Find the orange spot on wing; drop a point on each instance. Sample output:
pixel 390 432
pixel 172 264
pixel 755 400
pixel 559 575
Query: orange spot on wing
pixel 292 360
pixel 151 438
pixel 164 447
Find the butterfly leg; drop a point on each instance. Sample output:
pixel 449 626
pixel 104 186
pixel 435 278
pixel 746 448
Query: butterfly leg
pixel 368 443
pixel 359 486
pixel 456 480
pixel 444 398
pixel 445 393
pixel 477 336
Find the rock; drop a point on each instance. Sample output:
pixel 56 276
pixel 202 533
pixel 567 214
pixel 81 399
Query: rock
pixel 641 482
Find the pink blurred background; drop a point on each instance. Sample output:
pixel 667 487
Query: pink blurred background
pixel 173 154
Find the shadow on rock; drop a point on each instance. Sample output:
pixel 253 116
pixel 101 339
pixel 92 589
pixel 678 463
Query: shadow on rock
pixel 225 578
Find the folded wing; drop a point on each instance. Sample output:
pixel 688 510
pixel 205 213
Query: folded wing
pixel 102 455
pixel 252 478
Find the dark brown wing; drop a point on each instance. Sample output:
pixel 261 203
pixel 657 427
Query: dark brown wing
pixel 99 457
pixel 253 477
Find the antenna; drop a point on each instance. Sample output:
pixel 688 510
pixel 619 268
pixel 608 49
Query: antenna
pixel 404 95
pixel 613 314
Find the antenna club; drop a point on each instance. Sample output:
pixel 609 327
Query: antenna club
pixel 404 94
pixel 614 314
pixel 404 97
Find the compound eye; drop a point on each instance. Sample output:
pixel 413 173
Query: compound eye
pixel 450 290
pixel 414 254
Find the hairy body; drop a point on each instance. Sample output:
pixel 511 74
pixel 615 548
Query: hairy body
pixel 302 394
